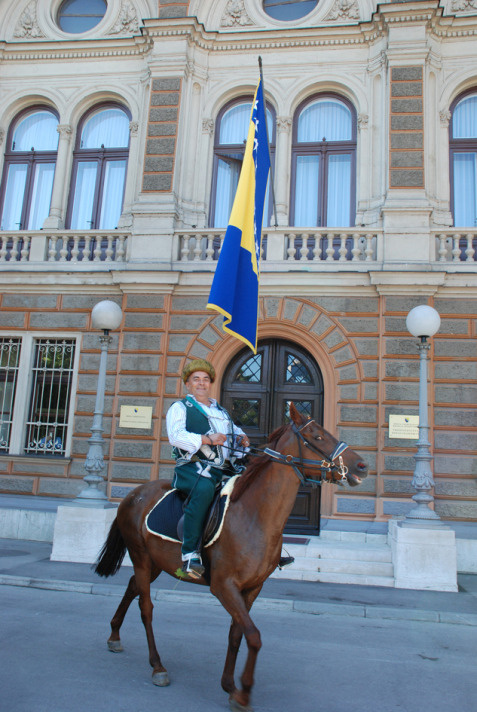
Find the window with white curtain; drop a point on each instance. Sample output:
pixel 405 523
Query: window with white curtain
pixel 323 163
pixel 463 158
pixel 37 382
pixel 231 133
pixel 29 169
pixel 99 169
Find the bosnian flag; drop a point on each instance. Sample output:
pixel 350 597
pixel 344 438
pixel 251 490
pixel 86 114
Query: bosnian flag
pixel 234 291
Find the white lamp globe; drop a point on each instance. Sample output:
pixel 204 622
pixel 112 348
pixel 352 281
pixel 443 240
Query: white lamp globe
pixel 423 321
pixel 106 315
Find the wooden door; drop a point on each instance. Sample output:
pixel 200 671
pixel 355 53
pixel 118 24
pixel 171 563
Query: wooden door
pixel 257 391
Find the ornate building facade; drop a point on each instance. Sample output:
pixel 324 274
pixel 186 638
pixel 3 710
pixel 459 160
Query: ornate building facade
pixel 122 126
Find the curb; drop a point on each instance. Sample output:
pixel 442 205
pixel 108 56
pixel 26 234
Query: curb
pixel 271 604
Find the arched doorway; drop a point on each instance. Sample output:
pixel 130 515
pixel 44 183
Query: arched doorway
pixel 257 391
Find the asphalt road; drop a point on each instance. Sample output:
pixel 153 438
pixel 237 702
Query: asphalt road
pixel 53 658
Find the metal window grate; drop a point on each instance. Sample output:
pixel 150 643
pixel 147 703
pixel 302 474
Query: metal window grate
pixel 52 375
pixel 9 361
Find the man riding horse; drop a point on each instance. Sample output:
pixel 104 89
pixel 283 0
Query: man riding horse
pixel 203 437
pixel 207 445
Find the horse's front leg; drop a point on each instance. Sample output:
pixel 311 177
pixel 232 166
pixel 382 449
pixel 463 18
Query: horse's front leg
pixel 235 638
pixel 238 605
pixel 159 672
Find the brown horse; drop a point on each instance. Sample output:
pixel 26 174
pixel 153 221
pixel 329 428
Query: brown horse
pixel 249 546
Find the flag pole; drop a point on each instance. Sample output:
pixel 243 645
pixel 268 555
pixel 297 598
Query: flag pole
pixel 268 146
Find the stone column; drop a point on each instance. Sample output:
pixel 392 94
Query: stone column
pixel 56 218
pixel 282 169
pixel 125 221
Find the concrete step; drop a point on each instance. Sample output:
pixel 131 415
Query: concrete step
pixel 352 566
pixel 340 550
pixel 320 576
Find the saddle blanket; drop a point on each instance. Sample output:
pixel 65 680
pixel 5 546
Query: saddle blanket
pixel 164 518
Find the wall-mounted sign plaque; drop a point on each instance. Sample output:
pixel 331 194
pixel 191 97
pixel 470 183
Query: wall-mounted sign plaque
pixel 404 426
pixel 135 416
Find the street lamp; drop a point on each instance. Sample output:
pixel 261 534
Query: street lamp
pixel 107 316
pixel 423 322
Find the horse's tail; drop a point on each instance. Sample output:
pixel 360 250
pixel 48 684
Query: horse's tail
pixel 112 553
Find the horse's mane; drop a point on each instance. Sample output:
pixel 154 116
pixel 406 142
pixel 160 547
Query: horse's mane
pixel 257 463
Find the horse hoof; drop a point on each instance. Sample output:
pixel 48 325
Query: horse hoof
pixel 161 679
pixel 115 646
pixel 237 707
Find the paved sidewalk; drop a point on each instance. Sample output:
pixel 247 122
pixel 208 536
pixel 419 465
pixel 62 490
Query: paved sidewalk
pixel 27 563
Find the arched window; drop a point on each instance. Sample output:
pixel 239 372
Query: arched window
pixel 463 160
pixel 99 169
pixel 30 160
pixel 323 163
pixel 230 136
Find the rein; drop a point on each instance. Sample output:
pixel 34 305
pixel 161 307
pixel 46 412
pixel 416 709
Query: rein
pixel 328 464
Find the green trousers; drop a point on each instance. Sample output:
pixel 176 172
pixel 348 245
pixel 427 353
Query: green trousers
pixel 188 479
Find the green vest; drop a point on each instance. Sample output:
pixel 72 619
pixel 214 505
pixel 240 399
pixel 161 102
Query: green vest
pixel 198 422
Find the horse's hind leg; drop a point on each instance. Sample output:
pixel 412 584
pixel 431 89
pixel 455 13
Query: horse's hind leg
pixel 143 579
pixel 114 641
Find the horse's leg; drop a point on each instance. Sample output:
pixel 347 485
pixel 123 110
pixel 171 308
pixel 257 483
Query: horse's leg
pixel 235 638
pixel 143 581
pixel 238 606
pixel 114 641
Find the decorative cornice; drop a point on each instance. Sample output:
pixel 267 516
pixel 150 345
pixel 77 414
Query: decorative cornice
pixel 27 26
pixel 61 49
pixel 235 15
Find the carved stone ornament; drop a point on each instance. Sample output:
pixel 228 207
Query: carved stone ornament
pixel 284 124
pixel 65 130
pixel 363 121
pixel 208 126
pixel 235 15
pixel 445 117
pixel 127 22
pixel 463 5
pixel 2 135
pixel 133 128
pixel 27 26
pixel 344 10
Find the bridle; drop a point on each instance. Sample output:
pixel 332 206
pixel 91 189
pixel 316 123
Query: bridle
pixel 328 464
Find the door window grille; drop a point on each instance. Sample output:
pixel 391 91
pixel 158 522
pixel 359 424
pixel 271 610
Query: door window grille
pixel 9 362
pixel 52 375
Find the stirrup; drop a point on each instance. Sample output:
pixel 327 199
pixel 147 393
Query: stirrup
pixel 285 561
pixel 193 567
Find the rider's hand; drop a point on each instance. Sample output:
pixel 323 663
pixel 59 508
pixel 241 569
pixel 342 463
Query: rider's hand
pixel 243 441
pixel 217 438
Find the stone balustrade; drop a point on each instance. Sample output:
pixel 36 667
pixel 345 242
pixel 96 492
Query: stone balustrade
pixel 282 248
pixel 457 245
pixel 66 246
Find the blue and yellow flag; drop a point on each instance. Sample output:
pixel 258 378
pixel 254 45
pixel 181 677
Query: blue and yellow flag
pixel 234 291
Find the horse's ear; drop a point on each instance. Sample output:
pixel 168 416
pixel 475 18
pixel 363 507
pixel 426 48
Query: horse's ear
pixel 295 415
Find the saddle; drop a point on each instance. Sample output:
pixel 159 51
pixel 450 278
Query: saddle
pixel 166 518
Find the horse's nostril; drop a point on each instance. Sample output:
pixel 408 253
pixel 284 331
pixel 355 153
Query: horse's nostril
pixel 362 466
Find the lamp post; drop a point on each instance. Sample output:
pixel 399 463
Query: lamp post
pixel 107 316
pixel 423 322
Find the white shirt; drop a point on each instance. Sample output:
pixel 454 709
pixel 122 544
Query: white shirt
pixel 192 442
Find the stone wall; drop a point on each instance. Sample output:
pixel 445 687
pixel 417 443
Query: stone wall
pixel 369 363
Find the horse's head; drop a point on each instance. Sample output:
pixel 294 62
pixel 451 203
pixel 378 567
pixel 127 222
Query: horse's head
pixel 314 442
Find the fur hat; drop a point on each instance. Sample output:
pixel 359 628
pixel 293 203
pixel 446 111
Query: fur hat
pixel 198 364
